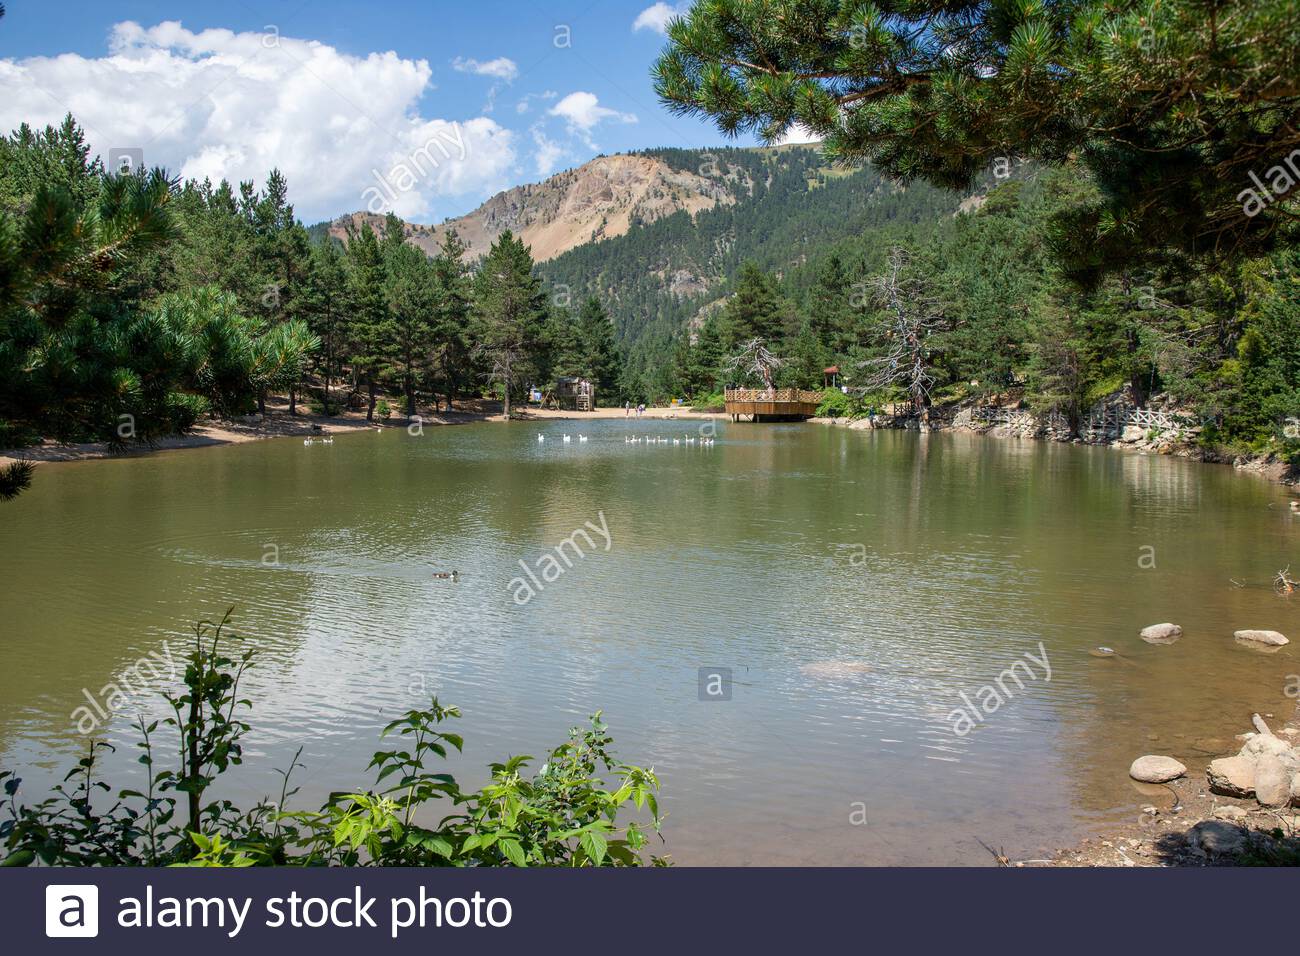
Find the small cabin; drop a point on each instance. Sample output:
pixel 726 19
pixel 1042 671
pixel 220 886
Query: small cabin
pixel 576 394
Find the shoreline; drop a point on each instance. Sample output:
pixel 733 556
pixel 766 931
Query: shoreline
pixel 1186 823
pixel 1266 467
pixel 280 424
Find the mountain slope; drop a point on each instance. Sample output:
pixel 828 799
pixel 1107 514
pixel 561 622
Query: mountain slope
pixel 602 199
pixel 658 235
pixel 788 206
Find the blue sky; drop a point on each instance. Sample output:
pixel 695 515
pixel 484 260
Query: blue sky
pixel 426 108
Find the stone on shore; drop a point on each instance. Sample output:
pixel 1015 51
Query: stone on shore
pixel 1232 776
pixel 1233 814
pixel 1267 638
pixel 1156 769
pixel 1161 633
pixel 1272 781
pixel 1217 836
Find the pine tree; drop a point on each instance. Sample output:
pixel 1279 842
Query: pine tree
pixel 512 312
pixel 755 310
pixel 452 360
pixel 601 364
pixel 371 326
pixel 940 90
pixel 327 309
pixel 413 304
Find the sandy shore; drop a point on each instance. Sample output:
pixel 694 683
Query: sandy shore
pixel 656 413
pixel 280 424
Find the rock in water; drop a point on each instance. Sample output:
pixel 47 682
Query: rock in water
pixel 1216 836
pixel 1232 776
pixel 1153 769
pixel 1272 781
pixel 1161 633
pixel 1268 638
pixel 835 670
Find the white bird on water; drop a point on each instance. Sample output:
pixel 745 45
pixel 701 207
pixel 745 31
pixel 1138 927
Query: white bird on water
pixel 567 438
pixel 582 438
pixel 541 437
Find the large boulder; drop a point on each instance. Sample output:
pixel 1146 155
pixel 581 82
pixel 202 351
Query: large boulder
pixel 1161 633
pixel 1272 781
pixel 1295 790
pixel 1232 776
pixel 1267 638
pixel 1155 769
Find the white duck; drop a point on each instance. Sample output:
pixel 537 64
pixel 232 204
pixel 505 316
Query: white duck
pixel 567 438
pixel 582 438
pixel 541 437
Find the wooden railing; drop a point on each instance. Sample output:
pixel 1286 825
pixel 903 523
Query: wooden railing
pixel 804 395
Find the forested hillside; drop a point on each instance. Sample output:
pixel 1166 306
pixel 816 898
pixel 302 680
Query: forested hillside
pixel 789 204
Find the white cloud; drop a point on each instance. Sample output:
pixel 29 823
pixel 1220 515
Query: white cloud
pixel 502 68
pixel 656 17
pixel 548 153
pixel 227 105
pixel 526 103
pixel 583 112
pixel 797 134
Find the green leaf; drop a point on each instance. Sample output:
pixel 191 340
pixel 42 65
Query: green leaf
pixel 514 852
pixel 595 846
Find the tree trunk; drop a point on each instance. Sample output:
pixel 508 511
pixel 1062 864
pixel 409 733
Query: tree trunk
pixel 410 396
pixel 371 389
pixel 293 401
pixel 261 402
pixel 506 385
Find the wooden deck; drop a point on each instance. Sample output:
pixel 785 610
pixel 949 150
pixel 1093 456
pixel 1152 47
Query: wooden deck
pixel 772 404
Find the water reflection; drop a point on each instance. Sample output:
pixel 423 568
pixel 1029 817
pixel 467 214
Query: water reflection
pixel 856 583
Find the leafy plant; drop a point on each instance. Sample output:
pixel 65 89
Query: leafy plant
pixel 564 815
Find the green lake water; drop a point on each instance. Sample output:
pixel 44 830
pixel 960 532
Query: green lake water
pixel 855 584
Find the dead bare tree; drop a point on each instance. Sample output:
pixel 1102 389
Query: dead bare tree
pixel 912 317
pixel 754 358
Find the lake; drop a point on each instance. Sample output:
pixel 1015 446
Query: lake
pixel 855 584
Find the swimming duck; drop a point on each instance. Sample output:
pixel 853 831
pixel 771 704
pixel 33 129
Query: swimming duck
pixel 567 438
pixel 582 438
pixel 447 576
pixel 541 437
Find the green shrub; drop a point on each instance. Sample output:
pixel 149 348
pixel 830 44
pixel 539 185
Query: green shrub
pixel 835 404
pixel 713 402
